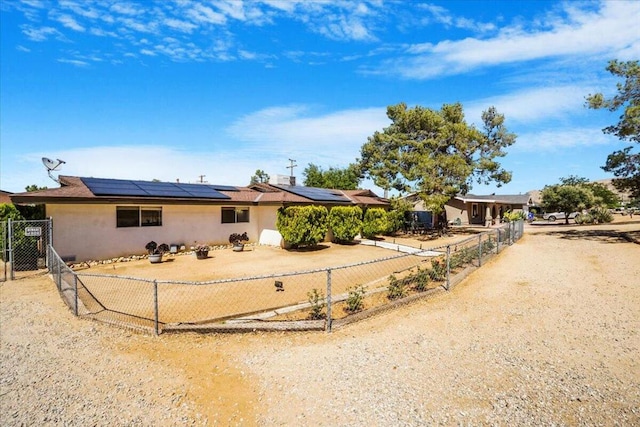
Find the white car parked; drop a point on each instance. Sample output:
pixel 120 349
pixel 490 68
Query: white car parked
pixel 552 216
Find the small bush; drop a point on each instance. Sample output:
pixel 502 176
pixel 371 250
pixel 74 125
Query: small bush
pixel 438 269
pixel 374 223
pixel 397 288
pixel 302 225
pixel 317 301
pixel 421 280
pixel 345 222
pixel 601 215
pixel 355 300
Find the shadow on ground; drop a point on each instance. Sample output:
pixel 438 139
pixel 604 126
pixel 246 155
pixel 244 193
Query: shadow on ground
pixel 602 236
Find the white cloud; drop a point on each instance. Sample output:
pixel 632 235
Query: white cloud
pixel 609 31
pixel 69 22
pixel 532 105
pixel 76 62
pixel 292 130
pixel 40 34
pixel 556 140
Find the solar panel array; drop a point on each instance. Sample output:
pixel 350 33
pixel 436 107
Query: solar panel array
pixel 123 187
pixel 315 194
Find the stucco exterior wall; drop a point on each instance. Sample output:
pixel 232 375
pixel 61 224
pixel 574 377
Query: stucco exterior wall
pixel 457 209
pixel 88 231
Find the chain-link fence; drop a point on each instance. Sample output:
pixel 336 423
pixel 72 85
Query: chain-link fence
pixel 24 247
pixel 320 299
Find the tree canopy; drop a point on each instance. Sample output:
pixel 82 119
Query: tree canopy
pixel 260 177
pixel 602 195
pixel 435 153
pixel 625 163
pixel 566 198
pixel 337 178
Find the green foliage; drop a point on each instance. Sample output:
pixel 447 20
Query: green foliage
pixel 335 178
pixel 601 215
pixel 8 210
pixel 601 193
pixel 317 301
pixel 397 287
pixel 488 245
pixel 302 225
pixel 438 269
pixel 624 163
pixel 567 198
pixel 345 222
pixel 436 153
pixel 396 215
pixel 375 222
pixel 260 177
pixel 420 280
pixel 512 216
pixel 355 299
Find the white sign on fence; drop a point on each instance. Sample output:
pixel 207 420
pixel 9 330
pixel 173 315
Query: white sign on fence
pixel 33 231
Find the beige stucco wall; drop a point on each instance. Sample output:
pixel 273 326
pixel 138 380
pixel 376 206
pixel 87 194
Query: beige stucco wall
pixel 457 209
pixel 88 231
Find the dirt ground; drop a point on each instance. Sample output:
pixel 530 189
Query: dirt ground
pixel 544 334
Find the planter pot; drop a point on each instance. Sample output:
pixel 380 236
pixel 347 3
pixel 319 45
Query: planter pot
pixel 238 247
pixel 202 254
pixel 155 258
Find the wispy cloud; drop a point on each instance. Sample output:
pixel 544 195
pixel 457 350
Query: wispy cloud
pixel 610 31
pixel 40 34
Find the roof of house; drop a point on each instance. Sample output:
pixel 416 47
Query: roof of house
pixel 4 197
pixel 512 199
pixel 75 189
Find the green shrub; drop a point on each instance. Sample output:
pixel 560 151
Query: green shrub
pixel 375 222
pixel 488 245
pixel 514 216
pixel 397 287
pixel 420 280
pixel 302 225
pixel 317 301
pixel 345 222
pixel 438 269
pixel 355 299
pixel 601 215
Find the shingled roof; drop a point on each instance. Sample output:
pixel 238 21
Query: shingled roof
pixel 74 190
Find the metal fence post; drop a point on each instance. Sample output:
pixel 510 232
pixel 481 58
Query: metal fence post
pixel 75 291
pixel 328 325
pixel 479 250
pixel 156 315
pixel 498 241
pixel 448 266
pixel 10 240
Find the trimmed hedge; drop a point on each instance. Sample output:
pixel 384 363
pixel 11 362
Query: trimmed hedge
pixel 302 225
pixel 345 223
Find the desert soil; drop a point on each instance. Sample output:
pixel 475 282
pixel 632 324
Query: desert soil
pixel 545 334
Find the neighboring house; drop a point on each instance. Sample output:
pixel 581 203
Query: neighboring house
pixel 95 218
pixel 483 210
pixel 5 197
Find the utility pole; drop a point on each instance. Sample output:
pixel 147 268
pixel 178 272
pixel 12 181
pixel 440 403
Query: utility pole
pixel 201 178
pixel 291 166
pixel 292 179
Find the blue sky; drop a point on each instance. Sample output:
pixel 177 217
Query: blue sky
pixel 177 89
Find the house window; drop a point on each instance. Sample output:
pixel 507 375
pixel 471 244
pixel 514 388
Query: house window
pixel 135 216
pixel 233 215
pixel 474 210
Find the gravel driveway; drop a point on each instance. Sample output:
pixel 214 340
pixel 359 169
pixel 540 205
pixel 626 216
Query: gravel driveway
pixel 544 334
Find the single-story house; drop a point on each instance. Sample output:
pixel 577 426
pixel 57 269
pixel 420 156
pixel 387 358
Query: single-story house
pixel 472 209
pixel 97 218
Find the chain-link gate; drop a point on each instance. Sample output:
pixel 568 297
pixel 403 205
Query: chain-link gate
pixel 25 246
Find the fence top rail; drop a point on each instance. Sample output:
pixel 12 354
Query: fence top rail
pixel 285 274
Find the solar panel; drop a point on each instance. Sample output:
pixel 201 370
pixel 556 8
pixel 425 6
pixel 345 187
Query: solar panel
pixel 122 187
pixel 315 194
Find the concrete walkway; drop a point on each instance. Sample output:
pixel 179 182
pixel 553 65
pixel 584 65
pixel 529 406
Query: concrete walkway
pixel 401 248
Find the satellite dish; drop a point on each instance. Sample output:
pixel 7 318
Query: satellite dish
pixel 52 165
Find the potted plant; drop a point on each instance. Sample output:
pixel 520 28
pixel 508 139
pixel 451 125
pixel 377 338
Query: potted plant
pixel 201 251
pixel 155 251
pixel 237 241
